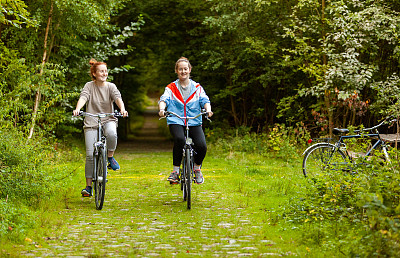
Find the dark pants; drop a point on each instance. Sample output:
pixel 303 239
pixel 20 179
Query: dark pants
pixel 199 140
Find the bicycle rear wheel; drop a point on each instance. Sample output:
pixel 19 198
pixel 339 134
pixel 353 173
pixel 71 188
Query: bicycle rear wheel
pixel 101 178
pixel 323 159
pixel 188 179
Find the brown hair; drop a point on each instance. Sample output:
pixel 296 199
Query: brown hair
pixel 93 67
pixel 182 59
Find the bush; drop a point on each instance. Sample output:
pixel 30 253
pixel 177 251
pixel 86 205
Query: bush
pixel 29 174
pixel 281 141
pixel 362 206
pixel 15 220
pixel 21 163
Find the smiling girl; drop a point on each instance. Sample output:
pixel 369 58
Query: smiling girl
pixel 99 96
pixel 185 97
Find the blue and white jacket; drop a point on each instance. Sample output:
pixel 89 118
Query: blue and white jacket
pixel 190 107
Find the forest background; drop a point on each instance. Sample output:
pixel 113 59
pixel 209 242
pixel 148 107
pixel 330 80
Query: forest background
pixel 307 65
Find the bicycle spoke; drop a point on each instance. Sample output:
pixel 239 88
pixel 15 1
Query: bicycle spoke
pixel 322 160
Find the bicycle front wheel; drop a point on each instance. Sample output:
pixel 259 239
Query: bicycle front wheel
pixel 322 159
pixel 188 179
pixel 101 179
pixel 183 182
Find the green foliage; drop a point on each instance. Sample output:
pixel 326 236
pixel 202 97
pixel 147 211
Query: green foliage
pixel 30 175
pixel 78 31
pixel 389 94
pixel 15 220
pixel 281 142
pixel 21 175
pixel 363 200
pixel 15 13
pixel 347 49
pixel 27 171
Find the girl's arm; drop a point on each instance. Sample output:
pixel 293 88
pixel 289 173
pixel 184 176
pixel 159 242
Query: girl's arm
pixel 121 106
pixel 79 105
pixel 161 106
pixel 207 107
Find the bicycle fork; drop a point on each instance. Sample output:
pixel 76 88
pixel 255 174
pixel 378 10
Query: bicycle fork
pixel 97 146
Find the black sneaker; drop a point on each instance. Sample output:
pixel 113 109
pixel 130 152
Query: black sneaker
pixel 198 177
pixel 173 178
pixel 87 192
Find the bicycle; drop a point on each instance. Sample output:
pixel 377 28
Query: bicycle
pixel 186 174
pixel 100 159
pixel 323 156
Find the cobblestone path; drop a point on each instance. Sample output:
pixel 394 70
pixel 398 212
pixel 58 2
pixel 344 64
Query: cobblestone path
pixel 144 216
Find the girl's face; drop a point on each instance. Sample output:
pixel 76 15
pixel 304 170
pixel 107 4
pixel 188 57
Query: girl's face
pixel 101 73
pixel 183 71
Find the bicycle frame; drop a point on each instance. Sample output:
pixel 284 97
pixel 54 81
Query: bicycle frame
pixel 101 143
pixel 188 146
pixel 343 138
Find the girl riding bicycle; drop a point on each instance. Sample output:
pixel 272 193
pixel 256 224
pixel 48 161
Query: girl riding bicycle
pixel 185 97
pixel 99 96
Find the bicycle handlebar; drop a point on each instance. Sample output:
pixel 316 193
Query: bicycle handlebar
pixel 387 120
pixel 101 115
pixel 203 112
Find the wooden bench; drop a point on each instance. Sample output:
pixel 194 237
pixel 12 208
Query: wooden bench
pixel 390 138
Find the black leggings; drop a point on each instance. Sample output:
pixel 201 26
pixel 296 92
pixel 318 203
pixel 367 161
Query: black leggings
pixel 199 140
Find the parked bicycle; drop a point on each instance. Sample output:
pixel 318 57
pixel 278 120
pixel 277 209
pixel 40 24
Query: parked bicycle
pixel 100 159
pixel 186 174
pixel 324 156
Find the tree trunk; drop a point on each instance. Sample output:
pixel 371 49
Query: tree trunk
pixel 233 110
pixel 325 62
pixel 397 136
pixel 52 40
pixel 353 117
pixel 38 94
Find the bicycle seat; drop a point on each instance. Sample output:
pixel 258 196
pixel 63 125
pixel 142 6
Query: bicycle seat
pixel 340 130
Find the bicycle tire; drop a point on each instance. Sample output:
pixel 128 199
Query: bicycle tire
pixel 101 179
pixel 188 179
pixel 95 158
pixel 321 159
pixel 181 176
pixel 184 190
pixel 183 179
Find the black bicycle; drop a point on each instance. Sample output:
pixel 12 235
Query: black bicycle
pixel 186 174
pixel 324 156
pixel 100 158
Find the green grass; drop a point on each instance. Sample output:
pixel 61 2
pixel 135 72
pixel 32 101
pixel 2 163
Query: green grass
pixel 239 210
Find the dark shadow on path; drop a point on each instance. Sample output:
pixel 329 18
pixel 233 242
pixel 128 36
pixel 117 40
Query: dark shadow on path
pixel 149 138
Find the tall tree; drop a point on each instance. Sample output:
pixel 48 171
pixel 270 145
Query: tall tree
pixel 70 33
pixel 353 37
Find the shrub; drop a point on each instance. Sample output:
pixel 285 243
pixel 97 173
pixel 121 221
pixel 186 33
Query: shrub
pixel 29 174
pixel 27 168
pixel 281 141
pixel 363 207
pixel 15 220
pixel 20 172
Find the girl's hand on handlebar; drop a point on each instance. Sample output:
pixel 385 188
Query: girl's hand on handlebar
pixel 124 113
pixel 76 112
pixel 161 113
pixel 210 113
